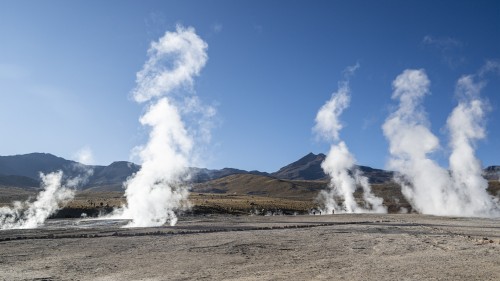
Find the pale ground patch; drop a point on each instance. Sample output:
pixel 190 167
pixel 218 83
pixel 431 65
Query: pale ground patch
pixel 335 247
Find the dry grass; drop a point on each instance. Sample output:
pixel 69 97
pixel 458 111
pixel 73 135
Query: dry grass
pixel 494 188
pixel 244 194
pixel 222 203
pixel 89 200
pixel 11 194
pixel 201 203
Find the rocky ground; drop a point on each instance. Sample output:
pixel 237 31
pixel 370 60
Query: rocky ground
pixel 225 247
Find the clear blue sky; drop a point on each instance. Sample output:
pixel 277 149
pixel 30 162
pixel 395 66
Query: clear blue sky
pixel 67 69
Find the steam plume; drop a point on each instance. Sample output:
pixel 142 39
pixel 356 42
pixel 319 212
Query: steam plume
pixel 430 188
pixel 33 214
pixel 340 163
pixel 156 191
pixel 84 156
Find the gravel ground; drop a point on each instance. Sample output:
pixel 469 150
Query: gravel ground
pixel 336 247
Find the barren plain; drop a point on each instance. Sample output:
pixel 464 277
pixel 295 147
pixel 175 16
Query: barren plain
pixel 228 247
pixel 237 236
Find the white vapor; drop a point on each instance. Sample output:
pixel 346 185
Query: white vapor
pixel 339 163
pixel 84 156
pixel 173 62
pixel 33 214
pixel 83 174
pixel 157 190
pixel 430 188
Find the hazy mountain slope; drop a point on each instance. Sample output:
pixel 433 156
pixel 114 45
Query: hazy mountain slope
pixel 115 173
pixel 23 171
pixel 492 173
pixel 18 181
pixel 376 175
pixel 30 165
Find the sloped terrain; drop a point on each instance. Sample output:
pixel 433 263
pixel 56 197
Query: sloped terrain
pixel 294 187
pixel 297 189
pixel 247 184
pixel 18 181
pixel 309 168
pixel 492 173
pixel 113 175
pixel 31 165
pixel 23 171
pixel 306 168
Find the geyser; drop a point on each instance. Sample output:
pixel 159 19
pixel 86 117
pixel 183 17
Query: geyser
pixel 33 214
pixel 429 188
pixel 157 190
pixel 339 163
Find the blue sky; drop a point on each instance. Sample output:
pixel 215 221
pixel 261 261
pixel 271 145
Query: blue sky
pixel 67 69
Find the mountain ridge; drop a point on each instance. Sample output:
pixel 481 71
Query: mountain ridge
pixel 23 171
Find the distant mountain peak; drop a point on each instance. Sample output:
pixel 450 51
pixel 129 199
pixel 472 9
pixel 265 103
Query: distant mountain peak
pixel 309 168
pixel 123 164
pixel 306 168
pixel 308 159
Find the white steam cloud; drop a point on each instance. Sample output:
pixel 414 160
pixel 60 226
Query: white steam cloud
pixel 430 188
pixel 33 214
pixel 340 163
pixel 84 156
pixel 157 190
pixel 174 60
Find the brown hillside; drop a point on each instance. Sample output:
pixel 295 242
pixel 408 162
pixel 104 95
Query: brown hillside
pixel 263 186
pixel 246 184
pixel 494 188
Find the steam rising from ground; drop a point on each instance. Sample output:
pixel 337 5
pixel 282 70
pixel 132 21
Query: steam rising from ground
pixel 430 188
pixel 33 214
pixel 157 190
pixel 340 163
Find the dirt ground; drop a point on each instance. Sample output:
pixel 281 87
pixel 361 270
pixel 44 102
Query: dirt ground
pixel 224 247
